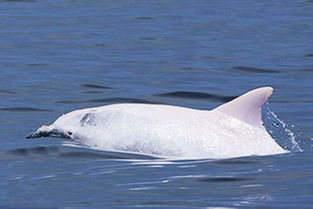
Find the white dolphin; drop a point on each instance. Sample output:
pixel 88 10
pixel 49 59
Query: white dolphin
pixel 233 129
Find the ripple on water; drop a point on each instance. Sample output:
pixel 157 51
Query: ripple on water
pixel 110 100
pixel 255 70
pixel 223 179
pixel 23 109
pixel 17 1
pixel 33 150
pixel 72 153
pixel 197 95
pixel 3 91
pixel 93 86
pixel 145 18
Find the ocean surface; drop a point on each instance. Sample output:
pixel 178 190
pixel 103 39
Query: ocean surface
pixel 57 56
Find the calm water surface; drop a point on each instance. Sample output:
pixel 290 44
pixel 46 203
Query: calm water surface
pixel 57 56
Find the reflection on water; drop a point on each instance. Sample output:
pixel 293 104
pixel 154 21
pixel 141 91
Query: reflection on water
pixel 197 95
pixel 255 70
pixel 22 109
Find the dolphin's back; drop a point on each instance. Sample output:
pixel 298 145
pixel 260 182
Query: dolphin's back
pixel 173 131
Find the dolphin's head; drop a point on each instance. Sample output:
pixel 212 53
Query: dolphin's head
pixel 70 126
pixel 51 131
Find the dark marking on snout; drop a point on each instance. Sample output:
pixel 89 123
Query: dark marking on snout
pixel 38 135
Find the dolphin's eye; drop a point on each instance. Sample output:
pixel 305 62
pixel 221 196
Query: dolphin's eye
pixel 69 133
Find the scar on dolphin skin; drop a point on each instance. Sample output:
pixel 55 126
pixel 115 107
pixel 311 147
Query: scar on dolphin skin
pixel 88 119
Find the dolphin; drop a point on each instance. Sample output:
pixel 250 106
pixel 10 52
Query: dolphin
pixel 233 129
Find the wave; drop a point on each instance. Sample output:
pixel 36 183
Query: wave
pixel 23 109
pixel 281 131
pixel 110 100
pixel 69 152
pixel 197 95
pixel 255 70
pixel 93 86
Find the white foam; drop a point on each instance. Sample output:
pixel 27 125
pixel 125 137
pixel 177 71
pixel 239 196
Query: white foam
pixel 283 129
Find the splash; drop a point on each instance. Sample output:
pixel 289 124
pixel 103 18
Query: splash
pixel 281 131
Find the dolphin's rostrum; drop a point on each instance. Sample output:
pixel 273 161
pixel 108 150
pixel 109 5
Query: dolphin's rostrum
pixel 48 131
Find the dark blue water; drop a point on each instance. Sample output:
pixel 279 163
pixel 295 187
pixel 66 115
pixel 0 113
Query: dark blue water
pixel 57 56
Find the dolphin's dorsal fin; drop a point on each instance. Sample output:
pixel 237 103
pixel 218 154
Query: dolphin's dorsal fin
pixel 248 107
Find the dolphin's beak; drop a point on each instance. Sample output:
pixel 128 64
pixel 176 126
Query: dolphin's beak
pixel 43 131
pixel 32 135
pixel 38 134
pixel 49 131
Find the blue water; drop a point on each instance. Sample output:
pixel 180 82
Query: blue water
pixel 57 56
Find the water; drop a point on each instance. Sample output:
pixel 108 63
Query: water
pixel 57 56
